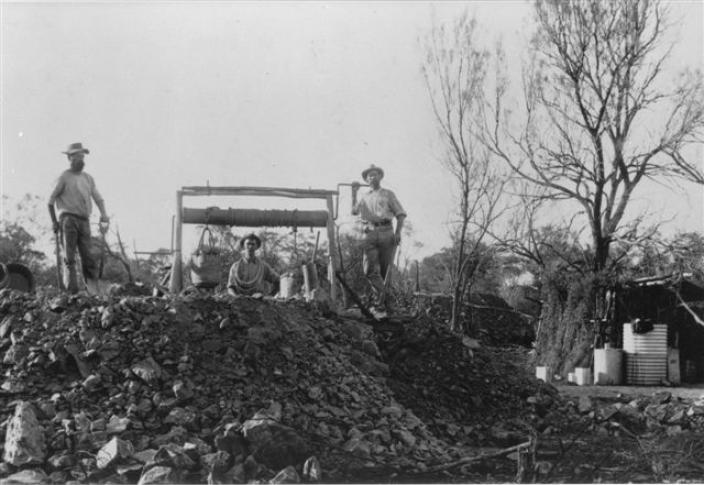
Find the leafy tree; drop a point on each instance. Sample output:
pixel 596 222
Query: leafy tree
pixel 17 246
pixel 436 273
pixel 683 253
pixel 20 229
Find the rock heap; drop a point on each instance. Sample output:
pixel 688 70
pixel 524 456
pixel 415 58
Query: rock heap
pixel 216 389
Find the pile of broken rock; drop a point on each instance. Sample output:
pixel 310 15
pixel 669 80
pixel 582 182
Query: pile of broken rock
pixel 659 412
pixel 209 389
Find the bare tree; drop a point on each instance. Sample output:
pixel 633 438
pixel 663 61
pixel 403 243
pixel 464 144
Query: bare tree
pixel 599 119
pixel 455 71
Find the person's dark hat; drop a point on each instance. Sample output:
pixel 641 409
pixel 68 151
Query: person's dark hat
pixel 76 148
pixel 252 237
pixel 371 168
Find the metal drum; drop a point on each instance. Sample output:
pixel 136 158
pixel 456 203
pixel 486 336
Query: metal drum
pixel 16 276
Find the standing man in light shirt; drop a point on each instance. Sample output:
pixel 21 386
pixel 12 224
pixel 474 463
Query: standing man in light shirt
pixel 73 195
pixel 377 208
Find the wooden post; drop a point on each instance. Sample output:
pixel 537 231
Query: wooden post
pixel 332 263
pixel 176 265
pixel 306 282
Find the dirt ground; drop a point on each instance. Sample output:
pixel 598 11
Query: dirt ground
pixel 691 391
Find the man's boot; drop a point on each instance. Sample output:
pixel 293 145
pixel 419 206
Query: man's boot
pixel 95 287
pixel 72 277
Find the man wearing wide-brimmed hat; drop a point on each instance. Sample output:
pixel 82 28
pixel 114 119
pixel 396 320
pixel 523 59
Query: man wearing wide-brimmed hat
pixel 377 208
pixel 250 275
pixel 72 196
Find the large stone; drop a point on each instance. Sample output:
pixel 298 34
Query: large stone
pixel 160 474
pixel 630 417
pixel 236 474
pixel 148 370
pixel 182 391
pixel 62 461
pixel 312 471
pixel 358 447
pixel 658 412
pixel 661 397
pixel 695 411
pixel 406 437
pixel 24 438
pixel 275 445
pixel 117 424
pixel 6 326
pixel 174 455
pixel 107 318
pixel 177 434
pixel 185 417
pixel 29 477
pixel 113 451
pixel 15 354
pixel 231 442
pixel 394 411
pixel 585 404
pixel 92 382
pixel 677 417
pixel 287 475
pixel 217 462
pixel 145 456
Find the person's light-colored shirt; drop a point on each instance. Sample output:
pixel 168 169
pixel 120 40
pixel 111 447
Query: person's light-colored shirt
pixel 249 277
pixel 73 194
pixel 379 205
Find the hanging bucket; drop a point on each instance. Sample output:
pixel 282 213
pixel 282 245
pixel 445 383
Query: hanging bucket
pixel 16 276
pixel 205 262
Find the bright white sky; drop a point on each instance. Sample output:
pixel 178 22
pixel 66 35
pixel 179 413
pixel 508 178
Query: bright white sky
pixel 282 94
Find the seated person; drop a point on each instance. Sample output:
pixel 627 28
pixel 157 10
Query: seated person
pixel 250 274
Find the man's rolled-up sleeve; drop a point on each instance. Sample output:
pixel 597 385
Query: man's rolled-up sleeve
pixel 57 190
pixel 396 206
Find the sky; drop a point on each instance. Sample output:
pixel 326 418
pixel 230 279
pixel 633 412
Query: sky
pixel 276 94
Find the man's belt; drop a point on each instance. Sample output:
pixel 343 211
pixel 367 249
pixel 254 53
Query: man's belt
pixel 380 223
pixel 69 214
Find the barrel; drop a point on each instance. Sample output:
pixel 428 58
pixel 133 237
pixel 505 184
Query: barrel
pixel 16 276
pixel 645 355
pixel 582 376
pixel 608 367
pixel 544 373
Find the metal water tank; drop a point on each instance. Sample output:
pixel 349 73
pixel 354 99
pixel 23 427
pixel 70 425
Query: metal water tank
pixel 645 355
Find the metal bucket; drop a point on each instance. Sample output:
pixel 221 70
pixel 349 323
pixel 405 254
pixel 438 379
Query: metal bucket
pixel 287 284
pixel 16 276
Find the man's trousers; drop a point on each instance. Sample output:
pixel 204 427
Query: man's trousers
pixel 378 252
pixel 76 234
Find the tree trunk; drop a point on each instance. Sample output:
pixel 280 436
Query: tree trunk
pixel 455 318
pixel 566 335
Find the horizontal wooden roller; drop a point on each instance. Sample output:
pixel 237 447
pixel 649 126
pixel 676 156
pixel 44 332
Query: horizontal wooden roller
pixel 255 217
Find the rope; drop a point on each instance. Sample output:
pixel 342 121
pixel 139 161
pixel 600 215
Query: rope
pixel 247 285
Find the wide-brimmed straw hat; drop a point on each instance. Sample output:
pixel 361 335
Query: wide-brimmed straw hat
pixel 252 237
pixel 76 148
pixel 371 168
